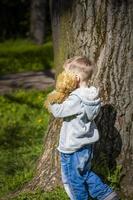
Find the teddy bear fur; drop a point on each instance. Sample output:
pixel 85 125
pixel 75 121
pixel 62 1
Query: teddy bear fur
pixel 66 82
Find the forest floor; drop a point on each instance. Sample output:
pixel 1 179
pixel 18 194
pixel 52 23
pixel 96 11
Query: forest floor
pixel 27 80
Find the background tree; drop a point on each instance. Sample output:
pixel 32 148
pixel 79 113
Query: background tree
pixel 22 19
pixel 102 31
pixel 38 20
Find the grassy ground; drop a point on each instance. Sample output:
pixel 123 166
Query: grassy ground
pixel 23 124
pixel 57 194
pixel 22 55
pixel 23 120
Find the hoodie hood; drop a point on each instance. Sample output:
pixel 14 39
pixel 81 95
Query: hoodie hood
pixel 88 94
pixel 90 100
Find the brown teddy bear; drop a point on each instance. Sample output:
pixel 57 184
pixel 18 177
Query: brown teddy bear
pixel 65 84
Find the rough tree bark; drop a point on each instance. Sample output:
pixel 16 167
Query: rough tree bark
pixel 101 30
pixel 37 20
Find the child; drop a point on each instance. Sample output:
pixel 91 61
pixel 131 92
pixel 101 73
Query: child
pixel 78 134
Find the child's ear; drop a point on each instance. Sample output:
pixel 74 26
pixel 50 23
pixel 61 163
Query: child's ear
pixel 78 81
pixel 78 78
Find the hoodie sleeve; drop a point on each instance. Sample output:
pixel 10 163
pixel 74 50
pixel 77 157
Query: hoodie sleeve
pixel 93 109
pixel 69 107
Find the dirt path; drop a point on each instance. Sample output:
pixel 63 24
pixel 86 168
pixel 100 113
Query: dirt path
pixel 27 80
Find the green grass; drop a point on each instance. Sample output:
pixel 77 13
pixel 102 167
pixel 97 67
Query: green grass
pixel 22 55
pixel 57 194
pixel 23 122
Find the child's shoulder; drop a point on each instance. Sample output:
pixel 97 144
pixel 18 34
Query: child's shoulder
pixel 76 94
pixel 75 91
pixel 80 90
pixel 87 93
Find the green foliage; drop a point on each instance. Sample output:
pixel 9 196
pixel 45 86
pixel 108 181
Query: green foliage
pixel 57 194
pixel 22 55
pixel 23 122
pixel 114 177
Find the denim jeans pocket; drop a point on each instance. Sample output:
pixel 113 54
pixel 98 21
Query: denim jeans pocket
pixel 64 158
pixel 83 160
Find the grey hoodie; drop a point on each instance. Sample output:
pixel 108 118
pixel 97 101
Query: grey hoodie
pixel 78 112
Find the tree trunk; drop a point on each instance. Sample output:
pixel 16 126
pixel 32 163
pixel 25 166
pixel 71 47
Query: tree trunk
pixel 102 31
pixel 48 168
pixel 37 20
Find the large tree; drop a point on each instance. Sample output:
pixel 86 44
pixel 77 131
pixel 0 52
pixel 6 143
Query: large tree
pixel 102 31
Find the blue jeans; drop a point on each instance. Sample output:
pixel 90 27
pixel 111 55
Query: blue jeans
pixel 78 179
